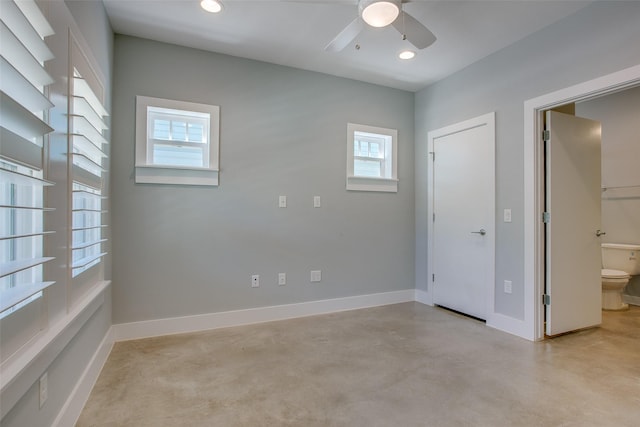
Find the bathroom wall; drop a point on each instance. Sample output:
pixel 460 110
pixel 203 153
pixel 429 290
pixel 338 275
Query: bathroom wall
pixel 619 114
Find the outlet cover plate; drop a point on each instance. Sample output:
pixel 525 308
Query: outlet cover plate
pixel 316 275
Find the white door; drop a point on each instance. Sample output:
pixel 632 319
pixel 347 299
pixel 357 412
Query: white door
pixel 573 198
pixel 463 217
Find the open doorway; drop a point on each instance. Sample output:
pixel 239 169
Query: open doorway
pixel 609 189
pixel 620 187
pixel 533 325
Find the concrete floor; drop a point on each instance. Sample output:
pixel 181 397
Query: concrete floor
pixel 400 365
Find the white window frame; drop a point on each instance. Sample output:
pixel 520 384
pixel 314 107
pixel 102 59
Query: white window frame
pixel 389 167
pixel 147 172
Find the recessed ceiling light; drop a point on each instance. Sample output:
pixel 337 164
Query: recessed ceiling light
pixel 379 13
pixel 212 6
pixel 407 54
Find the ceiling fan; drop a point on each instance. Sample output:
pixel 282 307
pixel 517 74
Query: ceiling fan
pixel 380 13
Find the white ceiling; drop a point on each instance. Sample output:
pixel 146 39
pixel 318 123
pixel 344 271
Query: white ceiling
pixel 295 32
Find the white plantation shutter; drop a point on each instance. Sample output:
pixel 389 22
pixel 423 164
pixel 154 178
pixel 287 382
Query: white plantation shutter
pixel 88 152
pixel 23 110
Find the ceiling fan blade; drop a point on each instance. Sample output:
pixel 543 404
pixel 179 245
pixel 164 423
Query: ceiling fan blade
pixel 345 36
pixel 417 34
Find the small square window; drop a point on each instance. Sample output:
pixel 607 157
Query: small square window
pixel 371 158
pixel 176 142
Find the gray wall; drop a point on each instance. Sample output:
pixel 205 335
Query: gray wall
pixel 598 40
pixel 182 250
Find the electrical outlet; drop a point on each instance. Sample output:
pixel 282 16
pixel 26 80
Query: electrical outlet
pixel 507 287
pixel 255 281
pixel 44 388
pixel 282 279
pixel 316 275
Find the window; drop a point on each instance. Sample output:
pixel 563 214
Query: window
pixel 24 106
pixel 371 158
pixel 88 152
pixel 178 138
pixel 21 236
pixel 176 142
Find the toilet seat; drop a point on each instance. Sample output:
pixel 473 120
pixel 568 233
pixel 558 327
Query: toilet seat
pixel 607 273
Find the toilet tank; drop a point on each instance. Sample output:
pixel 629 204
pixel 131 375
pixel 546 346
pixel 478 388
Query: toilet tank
pixel 623 257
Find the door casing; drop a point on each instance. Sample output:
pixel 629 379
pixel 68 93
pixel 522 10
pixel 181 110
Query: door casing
pixel 532 326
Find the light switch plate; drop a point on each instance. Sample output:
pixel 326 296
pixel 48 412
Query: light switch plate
pixel 508 288
pixel 507 215
pixel 282 279
pixel 282 201
pixel 316 201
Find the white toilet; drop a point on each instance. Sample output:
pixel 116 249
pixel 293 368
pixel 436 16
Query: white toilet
pixel 619 263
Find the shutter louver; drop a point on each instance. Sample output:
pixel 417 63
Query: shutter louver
pixel 23 107
pixel 87 139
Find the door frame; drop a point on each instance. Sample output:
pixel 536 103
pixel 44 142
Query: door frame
pixel 532 327
pixel 484 120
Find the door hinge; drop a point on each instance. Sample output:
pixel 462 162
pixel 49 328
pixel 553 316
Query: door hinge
pixel 546 135
pixel 546 217
pixel 433 155
pixel 434 217
pixel 546 299
pixel 433 277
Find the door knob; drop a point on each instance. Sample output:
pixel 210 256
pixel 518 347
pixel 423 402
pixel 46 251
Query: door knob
pixel 482 232
pixel 600 233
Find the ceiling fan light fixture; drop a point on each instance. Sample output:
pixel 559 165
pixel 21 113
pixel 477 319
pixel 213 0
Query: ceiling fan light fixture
pixel 379 13
pixel 407 54
pixel 213 6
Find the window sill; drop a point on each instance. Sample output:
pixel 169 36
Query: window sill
pixel 363 183
pixel 177 175
pixel 22 369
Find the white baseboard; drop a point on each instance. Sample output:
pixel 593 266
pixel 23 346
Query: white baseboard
pixel 631 299
pixel 70 412
pixel 74 404
pixel 423 297
pixel 151 328
pixel 510 325
pixel 19 372
pixel 177 325
pixel 495 320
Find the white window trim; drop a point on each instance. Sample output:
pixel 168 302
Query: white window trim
pixel 149 173
pixel 362 183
